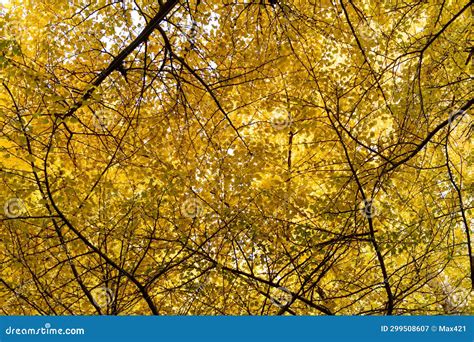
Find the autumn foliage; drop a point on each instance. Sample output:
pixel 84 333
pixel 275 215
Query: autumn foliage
pixel 236 157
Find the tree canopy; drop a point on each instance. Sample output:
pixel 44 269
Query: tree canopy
pixel 236 157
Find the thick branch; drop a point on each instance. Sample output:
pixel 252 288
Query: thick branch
pixel 117 61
